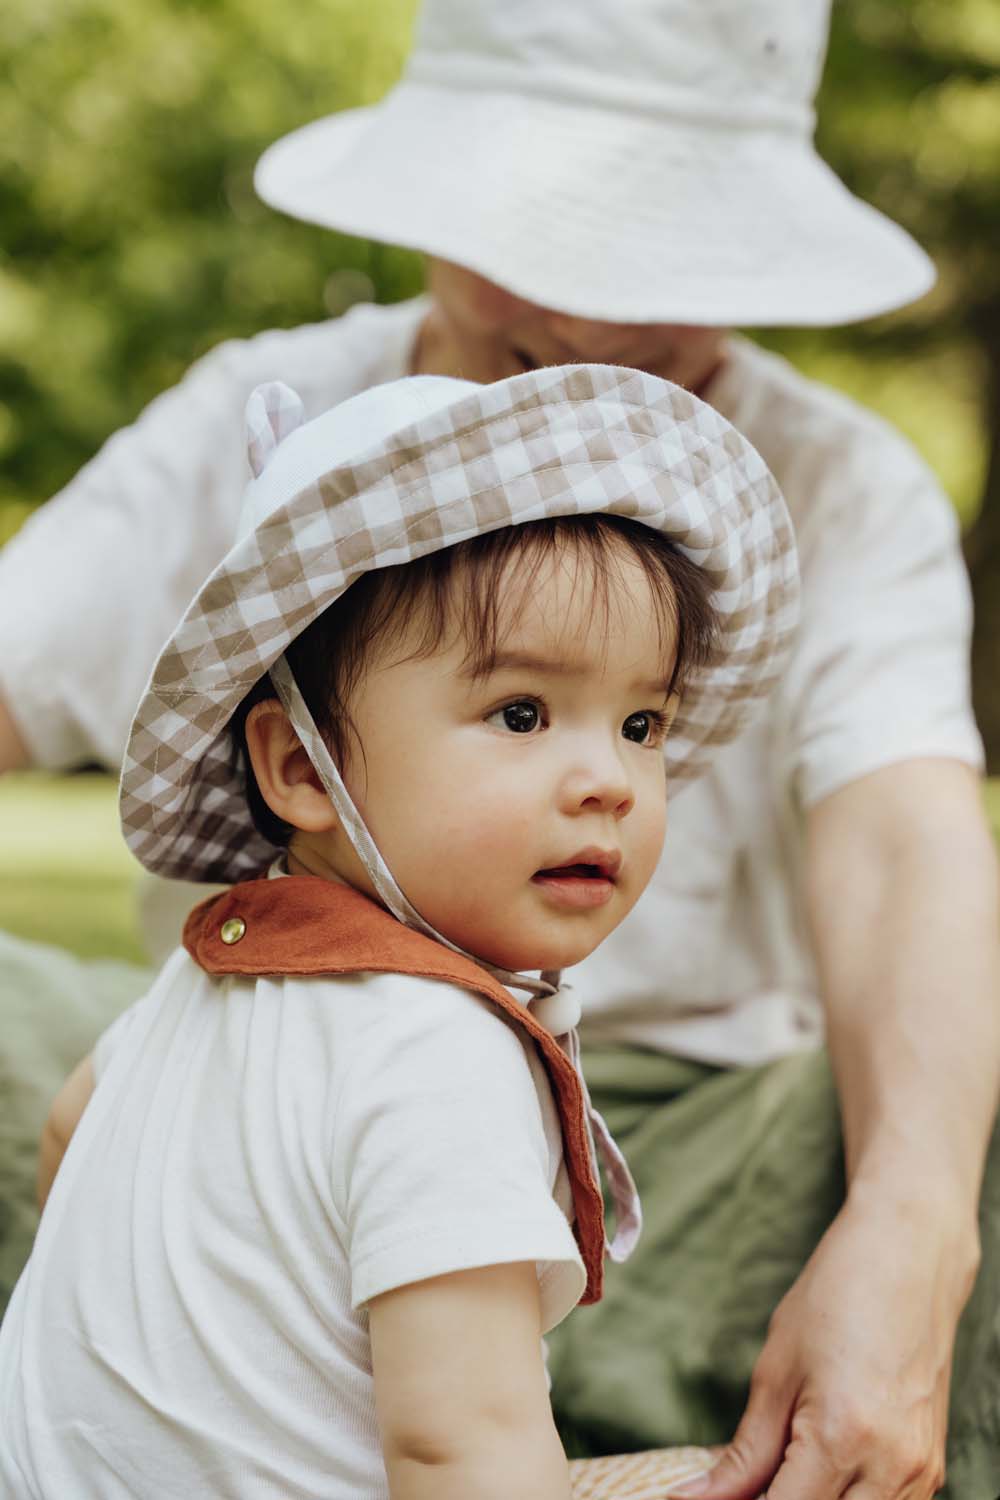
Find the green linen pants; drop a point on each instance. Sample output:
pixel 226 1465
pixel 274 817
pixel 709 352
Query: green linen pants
pixel 740 1171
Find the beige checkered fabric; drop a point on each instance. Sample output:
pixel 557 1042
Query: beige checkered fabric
pixel 561 441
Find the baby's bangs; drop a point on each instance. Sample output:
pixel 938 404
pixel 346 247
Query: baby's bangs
pixel 481 586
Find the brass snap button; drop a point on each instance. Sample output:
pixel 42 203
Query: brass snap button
pixel 230 932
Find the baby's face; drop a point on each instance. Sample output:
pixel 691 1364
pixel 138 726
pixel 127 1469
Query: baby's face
pixel 521 812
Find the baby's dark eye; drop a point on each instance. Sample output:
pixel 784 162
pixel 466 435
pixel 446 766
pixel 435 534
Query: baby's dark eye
pixel 648 727
pixel 638 727
pixel 522 717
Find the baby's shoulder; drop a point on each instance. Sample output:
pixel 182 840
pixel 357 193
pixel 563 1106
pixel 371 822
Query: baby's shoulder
pixel 383 1010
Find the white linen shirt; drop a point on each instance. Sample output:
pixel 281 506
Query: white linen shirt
pixel 258 1160
pixel 715 961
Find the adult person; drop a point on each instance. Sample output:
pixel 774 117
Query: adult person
pixel 601 182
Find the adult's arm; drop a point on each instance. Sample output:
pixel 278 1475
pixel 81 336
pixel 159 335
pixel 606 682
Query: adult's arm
pixel 850 1395
pixel 96 579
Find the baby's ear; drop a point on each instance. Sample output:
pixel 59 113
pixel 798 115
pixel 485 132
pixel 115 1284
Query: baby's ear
pixel 288 781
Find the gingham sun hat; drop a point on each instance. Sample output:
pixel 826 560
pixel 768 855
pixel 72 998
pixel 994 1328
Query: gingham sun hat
pixel 406 469
pixel 641 162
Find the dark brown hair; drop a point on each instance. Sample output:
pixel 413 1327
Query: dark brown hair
pixel 460 586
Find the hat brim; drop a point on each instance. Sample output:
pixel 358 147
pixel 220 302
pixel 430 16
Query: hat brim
pixel 602 214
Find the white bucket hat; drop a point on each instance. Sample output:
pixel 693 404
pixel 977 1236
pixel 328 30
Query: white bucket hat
pixel 641 162
pixel 406 469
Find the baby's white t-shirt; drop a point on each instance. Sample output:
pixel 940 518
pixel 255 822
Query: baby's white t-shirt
pixel 259 1159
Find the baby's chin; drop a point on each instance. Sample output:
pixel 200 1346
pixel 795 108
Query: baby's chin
pixel 531 957
pixel 530 939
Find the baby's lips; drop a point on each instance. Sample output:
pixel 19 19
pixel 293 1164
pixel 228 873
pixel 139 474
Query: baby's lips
pixel 591 863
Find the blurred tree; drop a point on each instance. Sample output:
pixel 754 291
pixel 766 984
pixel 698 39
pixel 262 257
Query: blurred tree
pixel 132 240
pixel 910 117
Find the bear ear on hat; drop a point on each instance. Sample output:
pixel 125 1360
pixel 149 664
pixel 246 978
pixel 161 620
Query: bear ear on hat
pixel 273 411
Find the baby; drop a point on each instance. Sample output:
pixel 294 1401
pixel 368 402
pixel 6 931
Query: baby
pixel 338 1173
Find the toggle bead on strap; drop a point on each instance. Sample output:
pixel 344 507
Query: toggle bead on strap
pixel 560 1014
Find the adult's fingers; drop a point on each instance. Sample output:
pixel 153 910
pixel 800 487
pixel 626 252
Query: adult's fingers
pixel 748 1464
pixel 812 1472
pixel 864 1490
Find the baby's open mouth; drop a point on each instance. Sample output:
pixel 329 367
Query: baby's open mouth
pixel 573 872
pixel 583 883
pixel 592 863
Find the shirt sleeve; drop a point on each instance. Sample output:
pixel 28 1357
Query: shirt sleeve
pixel 96 580
pixel 881 670
pixel 446 1151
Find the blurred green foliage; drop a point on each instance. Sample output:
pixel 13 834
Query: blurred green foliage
pixel 909 116
pixel 132 240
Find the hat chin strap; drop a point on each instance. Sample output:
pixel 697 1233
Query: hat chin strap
pixel 628 1212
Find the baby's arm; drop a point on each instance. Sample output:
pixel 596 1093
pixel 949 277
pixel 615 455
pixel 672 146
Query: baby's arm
pixel 460 1389
pixel 13 751
pixel 64 1116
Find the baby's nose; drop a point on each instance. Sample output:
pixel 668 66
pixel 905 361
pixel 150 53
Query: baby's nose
pixel 603 786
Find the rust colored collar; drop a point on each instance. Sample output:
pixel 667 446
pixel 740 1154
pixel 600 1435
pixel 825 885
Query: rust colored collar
pixel 301 925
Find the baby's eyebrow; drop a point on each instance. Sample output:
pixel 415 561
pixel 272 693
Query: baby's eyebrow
pixel 553 666
pixel 523 661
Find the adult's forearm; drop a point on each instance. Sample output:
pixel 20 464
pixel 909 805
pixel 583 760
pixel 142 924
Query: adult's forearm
pixel 902 896
pixel 909 966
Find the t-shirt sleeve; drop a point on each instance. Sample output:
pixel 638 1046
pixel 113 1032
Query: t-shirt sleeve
pixel 446 1149
pixel 880 673
pixel 96 580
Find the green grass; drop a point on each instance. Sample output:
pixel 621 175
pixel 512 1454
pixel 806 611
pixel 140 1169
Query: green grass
pixel 66 876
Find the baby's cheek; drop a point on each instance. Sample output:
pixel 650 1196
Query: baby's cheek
pixel 650 834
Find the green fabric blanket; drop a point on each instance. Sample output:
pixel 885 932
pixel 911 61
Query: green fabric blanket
pixel 54 1006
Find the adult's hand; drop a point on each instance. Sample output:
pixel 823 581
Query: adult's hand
pixel 13 751
pixel 849 1397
